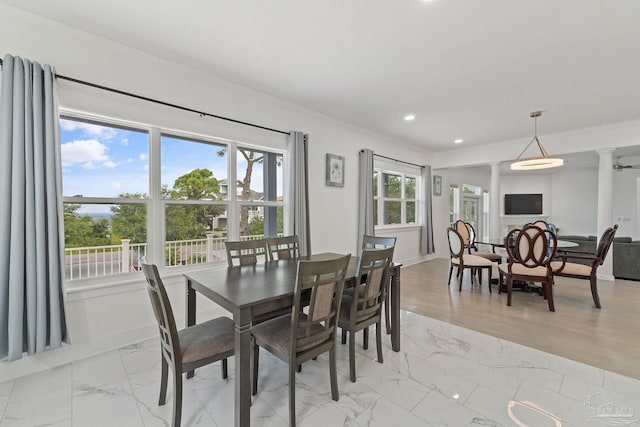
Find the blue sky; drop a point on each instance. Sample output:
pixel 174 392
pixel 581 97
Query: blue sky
pixel 104 161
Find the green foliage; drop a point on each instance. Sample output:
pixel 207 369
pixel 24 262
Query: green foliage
pixel 82 230
pixel 199 184
pixel 129 221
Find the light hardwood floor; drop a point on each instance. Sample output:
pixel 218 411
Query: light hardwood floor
pixel 608 338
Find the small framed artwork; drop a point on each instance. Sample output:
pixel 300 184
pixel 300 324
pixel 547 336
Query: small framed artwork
pixel 335 170
pixel 437 185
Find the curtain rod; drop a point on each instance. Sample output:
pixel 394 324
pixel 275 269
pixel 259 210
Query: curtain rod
pixel 166 104
pixel 399 161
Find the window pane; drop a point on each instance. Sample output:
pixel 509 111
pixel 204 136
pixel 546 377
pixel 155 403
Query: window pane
pixel 392 212
pixel 103 239
pixel 375 183
pixel 375 212
pixel 192 170
pixel 187 227
pixel 260 175
pixel 410 188
pixel 392 186
pixel 411 212
pixel 101 160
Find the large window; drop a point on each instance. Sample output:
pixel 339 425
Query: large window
pixel 395 198
pixel 131 192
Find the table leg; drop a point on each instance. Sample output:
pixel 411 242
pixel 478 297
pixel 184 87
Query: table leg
pixel 190 311
pixel 242 358
pixel 395 309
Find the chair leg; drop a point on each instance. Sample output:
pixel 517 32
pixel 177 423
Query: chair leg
pixel 333 374
pixel 489 281
pixel 594 290
pixel 379 340
pixel 460 271
pixel 509 288
pixel 254 376
pixel 387 311
pixel 177 399
pixel 550 295
pixel 365 338
pixel 480 276
pixel 292 393
pixel 163 381
pixel 450 271
pixel 344 336
pixel 500 282
pixel 352 357
pixel 225 371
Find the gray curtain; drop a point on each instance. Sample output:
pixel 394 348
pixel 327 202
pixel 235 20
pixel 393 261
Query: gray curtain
pixel 365 194
pixel 31 295
pixel 426 238
pixel 298 194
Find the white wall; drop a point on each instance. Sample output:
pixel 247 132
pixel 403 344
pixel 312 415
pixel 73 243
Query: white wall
pixel 574 199
pixel 91 315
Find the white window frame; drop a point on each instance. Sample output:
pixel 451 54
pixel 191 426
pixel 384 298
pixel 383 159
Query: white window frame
pixel 156 206
pixel 379 199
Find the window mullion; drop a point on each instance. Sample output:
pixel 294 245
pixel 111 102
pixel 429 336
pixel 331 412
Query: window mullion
pixel 155 205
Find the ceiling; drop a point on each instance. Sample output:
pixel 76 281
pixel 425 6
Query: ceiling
pixel 470 69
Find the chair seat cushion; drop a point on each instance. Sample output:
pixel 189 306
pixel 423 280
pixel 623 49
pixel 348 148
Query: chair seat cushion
pixel 488 255
pixel 520 269
pixel 201 341
pixel 571 268
pixel 472 261
pixel 276 333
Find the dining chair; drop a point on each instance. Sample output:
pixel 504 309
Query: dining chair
pixel 491 256
pixel 187 349
pixel 576 270
pixel 286 247
pixel 246 251
pixel 530 251
pixel 372 242
pixel 300 336
pixel 363 307
pixel 463 261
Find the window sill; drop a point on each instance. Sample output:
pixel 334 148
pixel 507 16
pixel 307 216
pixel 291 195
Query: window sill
pixel 397 227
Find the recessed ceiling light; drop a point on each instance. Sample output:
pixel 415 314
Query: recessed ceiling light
pixel 409 117
pixel 458 141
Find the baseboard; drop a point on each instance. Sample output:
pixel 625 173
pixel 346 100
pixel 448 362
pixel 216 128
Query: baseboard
pixel 608 277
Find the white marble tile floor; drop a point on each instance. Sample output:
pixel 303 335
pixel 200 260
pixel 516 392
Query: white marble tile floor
pixel 444 376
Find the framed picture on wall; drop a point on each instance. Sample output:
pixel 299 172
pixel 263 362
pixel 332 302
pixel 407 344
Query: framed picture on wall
pixel 437 185
pixel 335 171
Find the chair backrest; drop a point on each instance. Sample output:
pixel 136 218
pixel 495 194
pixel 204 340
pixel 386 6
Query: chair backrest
pixel 531 246
pixel 325 281
pixel 540 223
pixel 462 229
pixel 163 313
pixel 456 243
pixel 373 274
pixel 605 243
pixel 472 234
pixel 286 247
pixel 246 251
pixel 372 242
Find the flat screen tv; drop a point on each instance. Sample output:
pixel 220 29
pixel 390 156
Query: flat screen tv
pixel 523 204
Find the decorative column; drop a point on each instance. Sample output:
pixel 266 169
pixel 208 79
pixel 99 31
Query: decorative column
pixel 495 227
pixel 605 206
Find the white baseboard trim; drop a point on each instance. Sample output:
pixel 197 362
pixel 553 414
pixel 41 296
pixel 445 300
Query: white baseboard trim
pixel 608 277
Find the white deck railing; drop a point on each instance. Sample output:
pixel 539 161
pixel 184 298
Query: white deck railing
pixel 95 261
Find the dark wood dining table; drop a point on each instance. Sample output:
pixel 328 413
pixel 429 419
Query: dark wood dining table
pixel 249 291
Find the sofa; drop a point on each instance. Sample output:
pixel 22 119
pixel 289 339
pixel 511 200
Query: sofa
pixel 625 252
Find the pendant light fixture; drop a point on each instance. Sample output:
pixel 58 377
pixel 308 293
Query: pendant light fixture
pixel 542 162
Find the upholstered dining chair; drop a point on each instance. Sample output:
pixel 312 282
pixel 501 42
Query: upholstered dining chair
pixel 460 260
pixel 363 307
pixel 286 247
pixel 246 252
pixel 530 251
pixel 186 349
pixel 373 242
pixel 575 270
pixel 298 337
pixel 491 256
